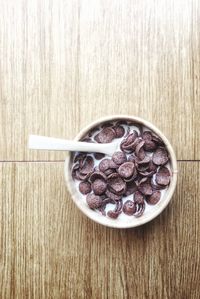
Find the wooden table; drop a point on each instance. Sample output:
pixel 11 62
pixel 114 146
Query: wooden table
pixel 62 65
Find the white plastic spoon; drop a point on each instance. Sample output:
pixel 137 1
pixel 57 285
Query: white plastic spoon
pixel 49 143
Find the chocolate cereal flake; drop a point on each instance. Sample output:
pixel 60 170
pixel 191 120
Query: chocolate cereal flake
pixel 97 175
pixel 113 165
pixel 138 197
pixel 112 214
pixel 142 167
pixel 118 209
pixel 156 186
pixel 160 156
pixel 119 131
pixel 141 180
pixel 129 208
pixel 93 201
pixel 112 195
pixel 85 187
pixel 163 176
pixel 81 177
pixel 138 149
pixel 132 177
pixel 116 183
pixel 146 160
pixel 131 187
pixel 148 174
pixel 152 166
pixel 126 170
pixel 145 188
pixel 149 145
pixel 109 171
pixel 87 166
pixel 154 198
pixel 104 165
pixel 129 144
pixel 99 186
pixel 139 209
pixel 119 158
pixel 106 135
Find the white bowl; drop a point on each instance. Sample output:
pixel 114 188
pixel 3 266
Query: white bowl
pixel 130 221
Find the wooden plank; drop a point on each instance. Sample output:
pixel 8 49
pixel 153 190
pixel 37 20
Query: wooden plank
pixel 38 75
pixel 67 63
pixel 142 58
pixel 50 250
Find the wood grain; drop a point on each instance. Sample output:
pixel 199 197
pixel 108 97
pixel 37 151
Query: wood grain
pixel 50 250
pixel 143 58
pixel 65 63
pixel 62 65
pixel 38 74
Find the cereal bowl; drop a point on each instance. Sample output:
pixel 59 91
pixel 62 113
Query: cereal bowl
pixel 153 187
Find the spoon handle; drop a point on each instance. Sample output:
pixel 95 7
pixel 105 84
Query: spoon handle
pixel 49 143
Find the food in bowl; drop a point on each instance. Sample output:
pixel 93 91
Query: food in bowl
pixel 129 183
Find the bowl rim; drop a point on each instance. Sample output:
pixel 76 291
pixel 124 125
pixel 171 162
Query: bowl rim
pixel 112 222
